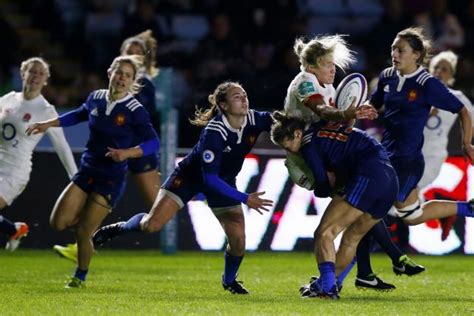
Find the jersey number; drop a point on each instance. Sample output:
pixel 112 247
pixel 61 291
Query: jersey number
pixel 335 130
pixel 9 133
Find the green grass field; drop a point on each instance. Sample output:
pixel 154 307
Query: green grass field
pixel 147 282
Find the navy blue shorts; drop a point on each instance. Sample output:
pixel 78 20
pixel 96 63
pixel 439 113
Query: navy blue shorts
pixel 144 164
pixel 186 187
pixel 373 188
pixel 110 185
pixel 409 173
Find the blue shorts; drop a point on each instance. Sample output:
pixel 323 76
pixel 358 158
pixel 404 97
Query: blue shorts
pixel 144 164
pixel 373 188
pixel 186 187
pixel 409 173
pixel 110 185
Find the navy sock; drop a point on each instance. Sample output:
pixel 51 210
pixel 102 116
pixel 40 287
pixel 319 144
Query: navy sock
pixel 381 234
pixel 342 276
pixel 7 226
pixel 81 274
pixel 363 257
pixel 464 209
pixel 328 275
pixel 133 223
pixel 232 264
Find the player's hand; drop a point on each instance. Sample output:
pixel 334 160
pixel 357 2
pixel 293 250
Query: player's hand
pixel 366 111
pixel 37 128
pixel 117 155
pixel 254 201
pixel 468 152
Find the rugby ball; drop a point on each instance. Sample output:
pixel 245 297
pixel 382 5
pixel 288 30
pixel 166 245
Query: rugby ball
pixel 352 86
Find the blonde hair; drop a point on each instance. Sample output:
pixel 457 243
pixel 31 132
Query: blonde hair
pixel 310 53
pixel 136 62
pixel 25 65
pixel 149 46
pixel 418 41
pixel 448 56
pixel 203 116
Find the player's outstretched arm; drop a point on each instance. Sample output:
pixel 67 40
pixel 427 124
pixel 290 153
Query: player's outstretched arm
pixel 42 127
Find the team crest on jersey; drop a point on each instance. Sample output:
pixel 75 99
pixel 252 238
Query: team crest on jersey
pixel 332 103
pixel 306 88
pixel 26 117
pixel 177 182
pixel 120 119
pixel 208 156
pixel 412 95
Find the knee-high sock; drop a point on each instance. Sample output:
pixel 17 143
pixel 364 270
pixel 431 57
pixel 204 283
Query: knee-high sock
pixel 382 236
pixel 231 266
pixel 328 275
pixel 363 257
pixel 343 274
pixel 133 223
pixel 6 226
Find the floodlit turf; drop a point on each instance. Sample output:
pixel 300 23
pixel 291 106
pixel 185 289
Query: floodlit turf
pixel 149 283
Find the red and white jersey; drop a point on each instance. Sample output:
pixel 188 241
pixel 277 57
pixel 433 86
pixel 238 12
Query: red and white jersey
pixel 16 148
pixel 304 86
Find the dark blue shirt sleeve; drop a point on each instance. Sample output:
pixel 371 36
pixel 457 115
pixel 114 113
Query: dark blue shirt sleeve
pixel 322 187
pixel 212 148
pixel 438 95
pixel 218 185
pixel 376 99
pixel 74 117
pixel 143 129
pixel 263 121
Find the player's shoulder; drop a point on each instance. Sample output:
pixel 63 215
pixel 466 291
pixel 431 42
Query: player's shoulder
pixel 216 126
pixel 9 95
pixel 461 96
pixel 388 73
pixel 423 77
pixel 307 136
pixel 131 103
pixel 100 94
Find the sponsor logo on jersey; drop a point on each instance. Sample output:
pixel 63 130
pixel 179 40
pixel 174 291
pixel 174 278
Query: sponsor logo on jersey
pixel 120 119
pixel 386 88
pixel 305 88
pixel 26 117
pixel 412 95
pixel 227 149
pixel 208 156
pixel 94 112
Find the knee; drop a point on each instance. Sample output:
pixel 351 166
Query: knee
pixel 237 244
pixel 324 234
pixel 57 224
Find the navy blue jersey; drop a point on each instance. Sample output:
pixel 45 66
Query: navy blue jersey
pixel 338 148
pixel 111 124
pixel 146 97
pixel 408 101
pixel 221 149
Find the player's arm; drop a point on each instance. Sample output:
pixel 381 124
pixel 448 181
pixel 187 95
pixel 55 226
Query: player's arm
pixel 143 129
pixel 466 135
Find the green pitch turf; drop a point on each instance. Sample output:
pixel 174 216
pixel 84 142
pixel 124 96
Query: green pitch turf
pixel 149 283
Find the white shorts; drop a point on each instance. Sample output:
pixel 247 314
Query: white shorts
pixel 11 187
pixel 432 168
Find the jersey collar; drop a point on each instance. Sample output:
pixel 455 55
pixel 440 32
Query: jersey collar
pixel 235 130
pixel 413 74
pixel 125 98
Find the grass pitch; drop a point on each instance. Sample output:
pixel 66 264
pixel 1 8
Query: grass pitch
pixel 149 283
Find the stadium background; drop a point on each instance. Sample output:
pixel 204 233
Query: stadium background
pixel 202 43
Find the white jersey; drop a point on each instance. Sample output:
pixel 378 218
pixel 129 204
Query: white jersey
pixel 303 86
pixel 436 134
pixel 16 148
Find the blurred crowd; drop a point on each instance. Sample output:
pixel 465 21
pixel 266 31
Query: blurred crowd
pixel 208 41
